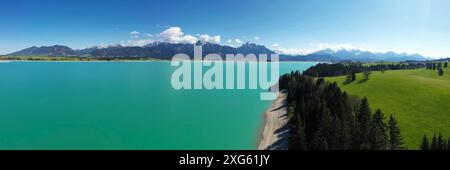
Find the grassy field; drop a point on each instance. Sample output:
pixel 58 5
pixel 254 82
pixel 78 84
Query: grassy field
pixel 420 100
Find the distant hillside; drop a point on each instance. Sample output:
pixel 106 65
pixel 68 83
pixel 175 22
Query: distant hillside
pixel 168 50
pixel 161 50
pixel 56 50
pixel 354 55
pixel 157 50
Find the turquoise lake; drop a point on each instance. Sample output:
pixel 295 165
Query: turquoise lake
pixel 122 105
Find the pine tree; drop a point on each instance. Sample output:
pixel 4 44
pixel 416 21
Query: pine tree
pixel 445 64
pixel 348 78
pixel 345 136
pixel 395 138
pixel 441 72
pixel 363 122
pixel 425 143
pixel 318 142
pixel 444 144
pixel 434 143
pixel 377 137
pixel 440 142
pixel 429 66
pixel 366 74
pixel 448 144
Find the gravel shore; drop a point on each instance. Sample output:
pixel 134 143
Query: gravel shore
pixel 274 135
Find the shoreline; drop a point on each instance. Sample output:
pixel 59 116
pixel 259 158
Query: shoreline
pixel 121 60
pixel 274 133
pixel 81 61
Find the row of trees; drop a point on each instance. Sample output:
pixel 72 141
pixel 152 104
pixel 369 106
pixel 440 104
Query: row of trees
pixel 351 76
pixel 437 66
pixel 340 69
pixel 322 117
pixel 436 143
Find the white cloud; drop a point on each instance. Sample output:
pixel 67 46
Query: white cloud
pixel 212 39
pixel 172 32
pixel 138 42
pixel 292 51
pixel 231 43
pixel 170 35
pixel 256 38
pixel 175 35
pixel 134 34
pixel 238 41
pixel 335 47
pixel 312 48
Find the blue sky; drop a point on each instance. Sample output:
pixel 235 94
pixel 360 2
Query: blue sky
pixel 290 26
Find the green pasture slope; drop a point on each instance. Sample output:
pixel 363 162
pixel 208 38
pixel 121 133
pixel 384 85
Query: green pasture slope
pixel 420 100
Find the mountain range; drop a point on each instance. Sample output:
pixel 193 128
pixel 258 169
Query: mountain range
pixel 165 51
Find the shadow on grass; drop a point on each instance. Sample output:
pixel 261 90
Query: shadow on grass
pixel 362 81
pixel 346 83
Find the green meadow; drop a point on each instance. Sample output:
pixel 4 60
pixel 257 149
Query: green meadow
pixel 419 99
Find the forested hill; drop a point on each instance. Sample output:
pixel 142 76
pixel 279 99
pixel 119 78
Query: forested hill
pixel 165 51
pixel 339 69
pixel 153 50
pixel 323 117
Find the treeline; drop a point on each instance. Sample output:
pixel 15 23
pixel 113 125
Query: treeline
pixel 69 58
pixel 340 69
pixel 322 117
pixel 437 66
pixel 436 143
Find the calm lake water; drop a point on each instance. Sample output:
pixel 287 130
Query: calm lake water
pixel 122 105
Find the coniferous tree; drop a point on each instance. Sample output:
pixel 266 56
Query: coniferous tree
pixel 445 64
pixel 429 66
pixel 434 143
pixel 425 143
pixel 366 74
pixel 395 138
pixel 440 142
pixel 300 142
pixel 318 142
pixel 444 144
pixel 377 136
pixel 448 144
pixel 345 136
pixel 323 117
pixel 348 78
pixel 363 122
pixel 441 72
pixel 353 76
